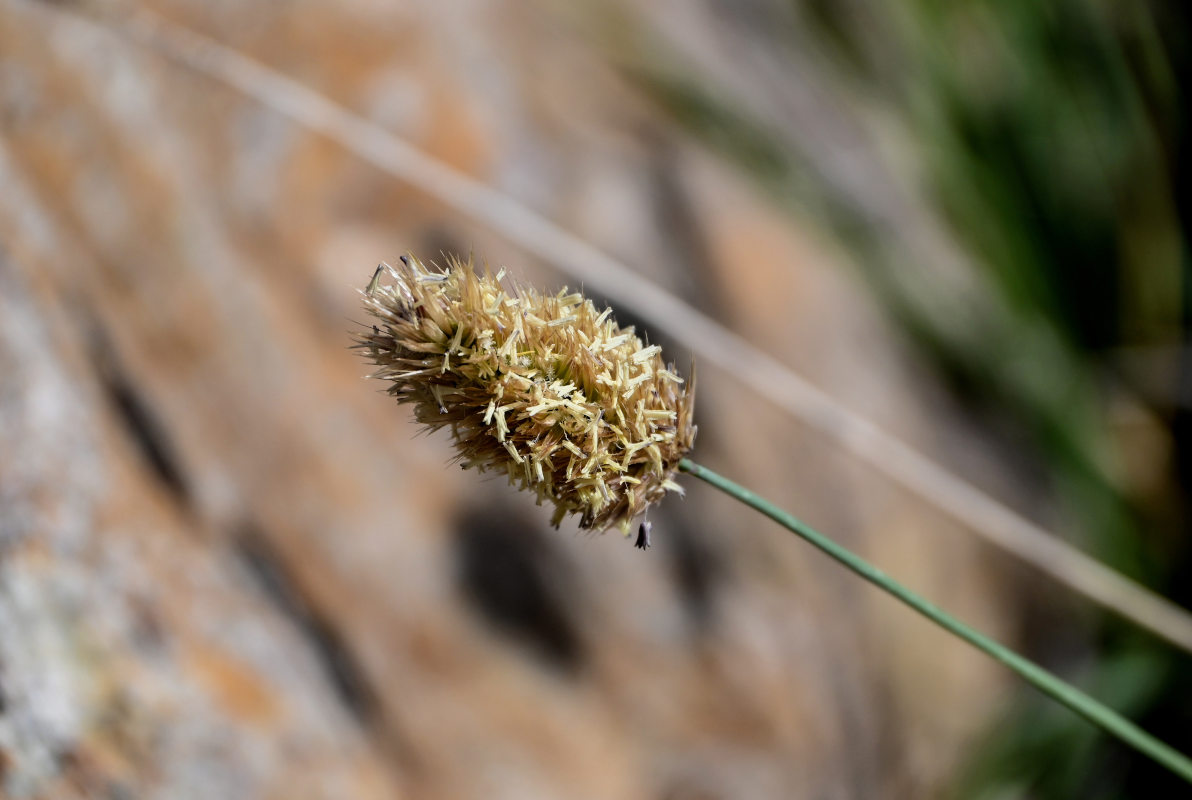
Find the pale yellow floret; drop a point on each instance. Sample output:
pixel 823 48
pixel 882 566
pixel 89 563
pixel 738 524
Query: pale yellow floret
pixel 513 452
pixel 644 355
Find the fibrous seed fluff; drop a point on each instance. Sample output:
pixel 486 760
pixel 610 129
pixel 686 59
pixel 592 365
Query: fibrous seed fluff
pixel 545 388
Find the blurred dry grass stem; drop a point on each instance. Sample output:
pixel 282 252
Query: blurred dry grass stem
pixel 545 388
pixel 754 369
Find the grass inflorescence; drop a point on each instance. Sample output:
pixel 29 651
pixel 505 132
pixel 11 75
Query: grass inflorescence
pixel 546 388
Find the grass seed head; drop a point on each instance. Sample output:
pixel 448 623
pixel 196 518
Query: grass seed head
pixel 544 388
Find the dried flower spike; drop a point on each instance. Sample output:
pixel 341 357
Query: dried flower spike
pixel 542 387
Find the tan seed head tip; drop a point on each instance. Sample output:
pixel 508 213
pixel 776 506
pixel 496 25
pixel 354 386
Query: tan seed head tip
pixel 545 388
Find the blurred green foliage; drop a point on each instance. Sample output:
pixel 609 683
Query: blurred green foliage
pixel 1053 139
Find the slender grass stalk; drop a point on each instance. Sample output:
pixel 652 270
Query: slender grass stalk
pixel 1054 687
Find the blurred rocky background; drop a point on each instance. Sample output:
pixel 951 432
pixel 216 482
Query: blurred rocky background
pixel 230 567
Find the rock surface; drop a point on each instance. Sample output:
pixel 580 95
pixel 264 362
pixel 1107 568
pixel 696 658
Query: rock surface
pixel 231 568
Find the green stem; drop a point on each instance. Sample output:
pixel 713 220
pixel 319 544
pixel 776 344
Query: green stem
pixel 1095 712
